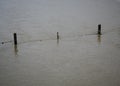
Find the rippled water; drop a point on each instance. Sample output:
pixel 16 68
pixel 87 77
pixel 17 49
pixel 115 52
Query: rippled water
pixel 79 58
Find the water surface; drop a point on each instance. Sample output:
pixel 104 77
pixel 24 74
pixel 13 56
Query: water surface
pixel 79 58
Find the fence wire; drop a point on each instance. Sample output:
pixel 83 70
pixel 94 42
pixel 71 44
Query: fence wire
pixel 25 38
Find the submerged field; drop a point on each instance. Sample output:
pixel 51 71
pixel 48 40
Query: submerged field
pixel 79 58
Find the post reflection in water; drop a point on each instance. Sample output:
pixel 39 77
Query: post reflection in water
pixel 57 41
pixel 99 38
pixel 16 50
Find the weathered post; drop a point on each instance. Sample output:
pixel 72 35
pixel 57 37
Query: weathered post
pixel 99 29
pixel 57 35
pixel 15 38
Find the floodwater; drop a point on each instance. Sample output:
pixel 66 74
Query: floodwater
pixel 79 58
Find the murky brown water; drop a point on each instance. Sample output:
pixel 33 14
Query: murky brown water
pixel 78 58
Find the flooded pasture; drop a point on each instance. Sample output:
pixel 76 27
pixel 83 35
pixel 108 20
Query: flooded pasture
pixel 79 57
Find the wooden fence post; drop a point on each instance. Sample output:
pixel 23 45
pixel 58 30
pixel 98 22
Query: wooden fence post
pixel 15 38
pixel 99 29
pixel 57 35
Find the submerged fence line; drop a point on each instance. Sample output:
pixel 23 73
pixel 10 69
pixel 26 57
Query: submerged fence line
pixel 15 39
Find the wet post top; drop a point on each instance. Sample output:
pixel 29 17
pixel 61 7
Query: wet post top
pixel 99 29
pixel 15 38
